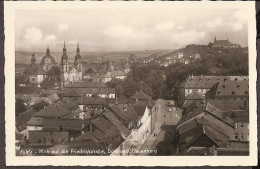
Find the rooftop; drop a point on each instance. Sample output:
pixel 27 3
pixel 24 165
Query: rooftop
pixel 53 110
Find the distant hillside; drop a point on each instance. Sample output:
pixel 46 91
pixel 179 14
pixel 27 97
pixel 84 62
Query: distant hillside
pixel 23 57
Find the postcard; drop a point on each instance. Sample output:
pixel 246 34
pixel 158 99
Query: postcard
pixel 130 83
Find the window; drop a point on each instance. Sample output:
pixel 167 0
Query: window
pixel 235 125
pixel 236 136
pixel 39 141
pixel 242 125
pixel 242 136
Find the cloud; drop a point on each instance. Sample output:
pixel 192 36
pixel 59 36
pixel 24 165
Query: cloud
pixel 188 37
pixel 50 37
pixel 215 23
pixel 119 31
pixel 63 27
pixel 241 15
pixel 237 26
pixel 33 35
pixel 179 27
pixel 164 26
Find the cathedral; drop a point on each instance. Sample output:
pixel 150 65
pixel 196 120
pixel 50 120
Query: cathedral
pixel 49 73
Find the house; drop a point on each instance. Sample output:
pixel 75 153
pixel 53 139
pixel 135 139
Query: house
pixel 77 93
pixel 202 135
pixel 225 44
pixel 202 84
pixel 118 74
pixel 238 89
pixel 221 86
pixel 58 131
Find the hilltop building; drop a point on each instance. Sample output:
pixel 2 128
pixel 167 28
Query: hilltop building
pixel 225 44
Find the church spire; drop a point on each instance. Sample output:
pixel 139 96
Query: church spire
pixel 48 50
pixel 33 60
pixel 64 48
pixel 78 50
pixel 77 57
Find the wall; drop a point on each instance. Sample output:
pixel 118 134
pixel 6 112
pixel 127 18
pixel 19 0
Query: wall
pixel 32 128
pixel 48 137
pixel 242 131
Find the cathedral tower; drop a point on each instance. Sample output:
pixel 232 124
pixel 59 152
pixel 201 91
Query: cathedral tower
pixel 77 61
pixel 78 64
pixel 64 66
pixel 33 60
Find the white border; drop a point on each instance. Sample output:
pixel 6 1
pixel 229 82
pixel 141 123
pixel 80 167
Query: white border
pixel 11 159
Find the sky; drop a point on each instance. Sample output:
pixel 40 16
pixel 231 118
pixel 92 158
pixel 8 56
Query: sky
pixel 126 29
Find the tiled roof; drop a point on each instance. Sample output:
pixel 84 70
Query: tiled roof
pixel 68 104
pixel 35 121
pixel 84 91
pixel 189 137
pixel 71 93
pixel 194 96
pixel 28 90
pixel 141 96
pixel 216 112
pixel 53 110
pixel 23 118
pixel 132 114
pixel 64 124
pixel 229 104
pixel 35 70
pixel 104 125
pixel 95 90
pixel 189 103
pixel 233 88
pixel 203 82
pixel 198 109
pixel 140 109
pixel 112 118
pixel 238 116
pixel 119 112
pixel 85 85
pixel 116 73
pixel 221 43
pixel 92 101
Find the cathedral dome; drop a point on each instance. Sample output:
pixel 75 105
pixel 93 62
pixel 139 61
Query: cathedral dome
pixel 47 59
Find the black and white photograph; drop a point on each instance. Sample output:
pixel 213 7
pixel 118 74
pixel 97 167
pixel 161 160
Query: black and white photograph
pixel 135 79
